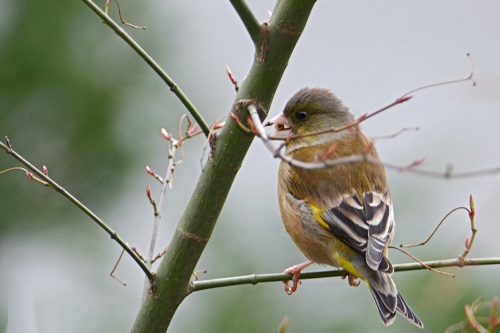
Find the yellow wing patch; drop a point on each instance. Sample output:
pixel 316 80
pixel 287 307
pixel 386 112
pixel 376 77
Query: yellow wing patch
pixel 338 248
pixel 317 212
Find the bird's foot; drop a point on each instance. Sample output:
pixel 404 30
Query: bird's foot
pixel 295 271
pixel 353 280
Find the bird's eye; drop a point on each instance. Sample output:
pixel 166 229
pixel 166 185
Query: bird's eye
pixel 301 115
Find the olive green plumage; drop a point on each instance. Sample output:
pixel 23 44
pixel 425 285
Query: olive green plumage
pixel 342 215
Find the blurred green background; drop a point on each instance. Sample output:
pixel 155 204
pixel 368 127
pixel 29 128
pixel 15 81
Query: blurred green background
pixel 74 97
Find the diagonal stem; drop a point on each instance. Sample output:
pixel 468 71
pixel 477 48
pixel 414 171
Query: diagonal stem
pixel 152 63
pixel 249 20
pixel 81 206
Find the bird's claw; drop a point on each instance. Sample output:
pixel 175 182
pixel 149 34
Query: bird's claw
pixel 295 272
pixel 352 279
pixel 295 284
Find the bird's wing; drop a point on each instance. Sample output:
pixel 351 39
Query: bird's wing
pixel 364 226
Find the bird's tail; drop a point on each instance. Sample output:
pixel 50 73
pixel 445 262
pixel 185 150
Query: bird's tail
pixel 388 303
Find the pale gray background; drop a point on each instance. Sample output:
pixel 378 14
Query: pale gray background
pixel 369 53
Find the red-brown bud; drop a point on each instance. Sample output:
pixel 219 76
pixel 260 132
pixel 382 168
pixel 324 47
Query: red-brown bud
pixel 472 211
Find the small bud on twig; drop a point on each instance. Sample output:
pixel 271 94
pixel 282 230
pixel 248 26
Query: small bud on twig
pixel 403 99
pixel 152 173
pixel 238 122
pixel 472 212
pixel 194 130
pixel 232 79
pixel 148 194
pixel 166 135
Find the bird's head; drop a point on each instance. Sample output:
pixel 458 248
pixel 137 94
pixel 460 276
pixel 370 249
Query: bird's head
pixel 311 110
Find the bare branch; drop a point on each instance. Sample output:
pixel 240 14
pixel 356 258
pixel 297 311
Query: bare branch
pixel 361 157
pixel 106 10
pixel 203 209
pixel 405 97
pixel 112 274
pixel 421 262
pixel 435 229
pixel 152 63
pixel 58 188
pixel 261 278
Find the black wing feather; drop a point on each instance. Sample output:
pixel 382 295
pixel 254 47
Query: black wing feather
pixel 365 226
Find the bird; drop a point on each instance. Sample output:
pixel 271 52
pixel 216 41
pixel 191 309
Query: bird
pixel 338 215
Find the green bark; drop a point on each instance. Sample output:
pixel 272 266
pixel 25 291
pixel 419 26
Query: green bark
pixel 172 281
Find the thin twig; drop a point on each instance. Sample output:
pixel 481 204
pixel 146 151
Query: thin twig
pixel 395 135
pixel 112 274
pixel 125 22
pixel 468 243
pixel 409 95
pixel 152 63
pixel 29 175
pixel 254 115
pixel 159 255
pixel 469 77
pixel 421 262
pixel 473 321
pixel 58 188
pixel 210 141
pixel 362 157
pixel 157 216
pixel 404 98
pixel 261 278
pixel 435 229
pixel 472 214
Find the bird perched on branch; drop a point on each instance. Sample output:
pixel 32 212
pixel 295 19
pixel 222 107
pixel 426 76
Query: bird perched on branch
pixel 338 215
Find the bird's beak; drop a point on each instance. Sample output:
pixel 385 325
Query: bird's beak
pixel 282 126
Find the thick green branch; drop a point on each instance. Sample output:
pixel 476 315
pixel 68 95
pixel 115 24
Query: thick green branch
pixel 150 61
pixel 78 204
pixel 199 218
pixel 261 278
